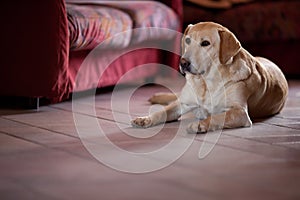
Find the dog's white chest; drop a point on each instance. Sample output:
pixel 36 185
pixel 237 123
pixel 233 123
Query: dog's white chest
pixel 203 97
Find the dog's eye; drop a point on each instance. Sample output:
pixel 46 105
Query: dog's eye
pixel 205 43
pixel 188 40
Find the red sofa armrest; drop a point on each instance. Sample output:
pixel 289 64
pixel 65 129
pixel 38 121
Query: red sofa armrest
pixel 35 49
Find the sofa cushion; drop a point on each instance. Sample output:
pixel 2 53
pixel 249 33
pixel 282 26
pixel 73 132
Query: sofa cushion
pixel 89 25
pixel 148 14
pixel 92 24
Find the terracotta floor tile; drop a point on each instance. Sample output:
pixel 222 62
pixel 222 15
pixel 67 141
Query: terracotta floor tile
pixel 10 145
pixel 49 119
pixel 42 157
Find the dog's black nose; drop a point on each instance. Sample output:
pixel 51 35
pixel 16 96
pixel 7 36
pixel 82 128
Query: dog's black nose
pixel 185 64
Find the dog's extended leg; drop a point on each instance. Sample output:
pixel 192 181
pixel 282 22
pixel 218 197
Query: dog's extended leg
pixel 234 118
pixel 171 112
pixel 163 98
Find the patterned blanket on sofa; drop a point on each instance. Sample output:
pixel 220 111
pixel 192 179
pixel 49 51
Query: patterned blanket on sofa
pixel 111 24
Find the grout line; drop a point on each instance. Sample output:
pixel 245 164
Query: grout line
pixel 39 127
pixel 280 125
pixel 96 107
pixel 250 139
pixel 23 139
pixel 98 117
pixel 44 145
pixel 248 151
pixel 293 142
pixel 275 136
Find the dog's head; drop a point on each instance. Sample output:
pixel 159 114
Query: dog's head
pixel 205 45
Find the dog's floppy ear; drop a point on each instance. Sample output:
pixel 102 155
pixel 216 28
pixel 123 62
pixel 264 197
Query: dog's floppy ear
pixel 183 37
pixel 188 28
pixel 229 46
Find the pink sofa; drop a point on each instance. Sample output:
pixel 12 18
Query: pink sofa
pixel 44 44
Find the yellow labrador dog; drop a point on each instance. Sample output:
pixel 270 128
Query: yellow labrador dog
pixel 225 85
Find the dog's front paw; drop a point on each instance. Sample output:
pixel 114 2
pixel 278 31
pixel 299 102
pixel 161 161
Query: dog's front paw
pixel 197 127
pixel 142 122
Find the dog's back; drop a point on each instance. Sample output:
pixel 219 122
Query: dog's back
pixel 271 94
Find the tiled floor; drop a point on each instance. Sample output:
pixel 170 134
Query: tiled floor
pixel 43 157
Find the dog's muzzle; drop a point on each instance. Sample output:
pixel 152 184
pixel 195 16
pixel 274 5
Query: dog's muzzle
pixel 185 66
